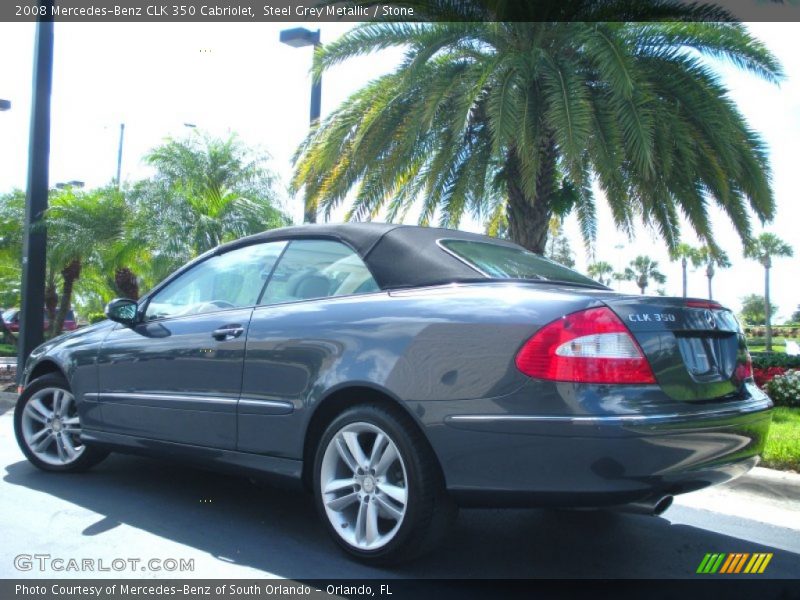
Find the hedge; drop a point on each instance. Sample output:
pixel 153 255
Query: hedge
pixel 759 331
pixel 765 360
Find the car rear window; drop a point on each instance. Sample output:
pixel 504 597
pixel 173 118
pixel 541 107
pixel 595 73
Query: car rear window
pixel 506 262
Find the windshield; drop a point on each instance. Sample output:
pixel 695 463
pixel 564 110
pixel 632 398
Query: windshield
pixel 507 262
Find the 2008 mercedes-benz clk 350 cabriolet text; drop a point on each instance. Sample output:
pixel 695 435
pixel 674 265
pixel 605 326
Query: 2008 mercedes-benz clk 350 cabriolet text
pixel 399 372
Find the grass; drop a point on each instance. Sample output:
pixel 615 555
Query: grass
pixel 8 350
pixel 783 443
pixel 778 344
pixel 775 348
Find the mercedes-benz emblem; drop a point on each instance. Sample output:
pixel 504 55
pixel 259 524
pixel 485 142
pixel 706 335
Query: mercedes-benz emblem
pixel 710 319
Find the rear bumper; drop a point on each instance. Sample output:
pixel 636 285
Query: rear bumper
pixel 530 460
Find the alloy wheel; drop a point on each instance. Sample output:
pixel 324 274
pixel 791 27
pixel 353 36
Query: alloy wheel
pixel 363 482
pixel 51 427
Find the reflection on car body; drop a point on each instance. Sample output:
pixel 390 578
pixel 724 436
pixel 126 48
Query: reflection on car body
pixel 400 372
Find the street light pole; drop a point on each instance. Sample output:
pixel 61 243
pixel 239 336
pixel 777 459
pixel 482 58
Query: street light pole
pixel 298 38
pixel 316 90
pixel 119 153
pixel 74 183
pixel 34 243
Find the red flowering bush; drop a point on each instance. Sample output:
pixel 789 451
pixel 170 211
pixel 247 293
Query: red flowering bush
pixel 764 376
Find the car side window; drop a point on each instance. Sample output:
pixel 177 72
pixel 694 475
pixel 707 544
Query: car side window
pixel 318 269
pixel 231 280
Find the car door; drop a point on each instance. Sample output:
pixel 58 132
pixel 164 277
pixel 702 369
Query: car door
pixel 289 342
pixel 177 374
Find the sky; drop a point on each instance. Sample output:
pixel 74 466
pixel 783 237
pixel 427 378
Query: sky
pixel 238 77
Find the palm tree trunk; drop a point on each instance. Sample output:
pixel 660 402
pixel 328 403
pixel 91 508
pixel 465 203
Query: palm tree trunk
pixel 529 218
pixel 7 336
pixel 767 309
pixel 683 266
pixel 126 283
pixel 50 297
pixel 641 282
pixel 710 275
pixel 71 273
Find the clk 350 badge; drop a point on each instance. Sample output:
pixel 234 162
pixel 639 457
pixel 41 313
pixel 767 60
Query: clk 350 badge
pixel 652 318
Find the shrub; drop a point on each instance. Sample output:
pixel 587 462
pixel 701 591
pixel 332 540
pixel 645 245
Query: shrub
pixel 785 389
pixel 96 317
pixel 791 331
pixel 764 360
pixel 764 376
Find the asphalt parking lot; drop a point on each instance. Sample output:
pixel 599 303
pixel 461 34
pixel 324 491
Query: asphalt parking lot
pixel 138 508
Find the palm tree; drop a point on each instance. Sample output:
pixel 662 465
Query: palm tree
pixel 601 272
pixel 80 225
pixel 206 191
pixel 558 248
pixel 763 249
pixel 712 259
pixel 642 269
pixel 521 117
pixel 12 212
pixel 686 253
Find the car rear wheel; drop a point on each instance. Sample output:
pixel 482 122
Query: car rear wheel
pixel 48 427
pixel 378 486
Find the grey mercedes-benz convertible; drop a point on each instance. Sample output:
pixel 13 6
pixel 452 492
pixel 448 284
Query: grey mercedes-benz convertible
pixel 398 372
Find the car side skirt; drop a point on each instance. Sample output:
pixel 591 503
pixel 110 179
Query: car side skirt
pixel 282 471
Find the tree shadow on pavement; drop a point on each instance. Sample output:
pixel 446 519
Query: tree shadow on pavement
pixel 277 531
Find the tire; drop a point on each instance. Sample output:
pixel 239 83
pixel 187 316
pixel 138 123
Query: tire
pixel 385 506
pixel 49 435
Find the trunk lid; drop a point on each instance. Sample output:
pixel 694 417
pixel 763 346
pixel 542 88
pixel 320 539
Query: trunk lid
pixel 695 347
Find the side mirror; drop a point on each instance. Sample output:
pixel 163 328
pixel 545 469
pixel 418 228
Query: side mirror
pixel 122 310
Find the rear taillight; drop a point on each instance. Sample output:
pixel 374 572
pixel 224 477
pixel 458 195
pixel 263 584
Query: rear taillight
pixel 744 370
pixel 590 346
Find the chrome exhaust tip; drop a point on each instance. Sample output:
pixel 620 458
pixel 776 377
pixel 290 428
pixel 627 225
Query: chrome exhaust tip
pixel 662 505
pixel 654 506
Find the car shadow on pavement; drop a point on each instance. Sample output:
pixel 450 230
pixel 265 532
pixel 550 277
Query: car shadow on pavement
pixel 277 531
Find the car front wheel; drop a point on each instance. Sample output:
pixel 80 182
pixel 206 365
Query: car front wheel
pixel 48 427
pixel 378 487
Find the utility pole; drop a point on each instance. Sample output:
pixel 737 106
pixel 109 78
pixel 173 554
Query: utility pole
pixel 119 153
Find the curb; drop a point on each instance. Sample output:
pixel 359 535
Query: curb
pixel 8 399
pixel 769 483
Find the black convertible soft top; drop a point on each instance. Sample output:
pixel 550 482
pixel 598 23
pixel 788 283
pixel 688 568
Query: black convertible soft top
pixel 397 255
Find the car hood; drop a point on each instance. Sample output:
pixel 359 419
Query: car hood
pixel 71 337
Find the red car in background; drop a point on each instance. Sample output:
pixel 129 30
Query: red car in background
pixel 11 318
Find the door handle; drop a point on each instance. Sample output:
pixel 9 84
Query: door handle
pixel 227 332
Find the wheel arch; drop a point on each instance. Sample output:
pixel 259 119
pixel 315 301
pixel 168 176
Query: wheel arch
pixel 45 367
pixel 340 399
